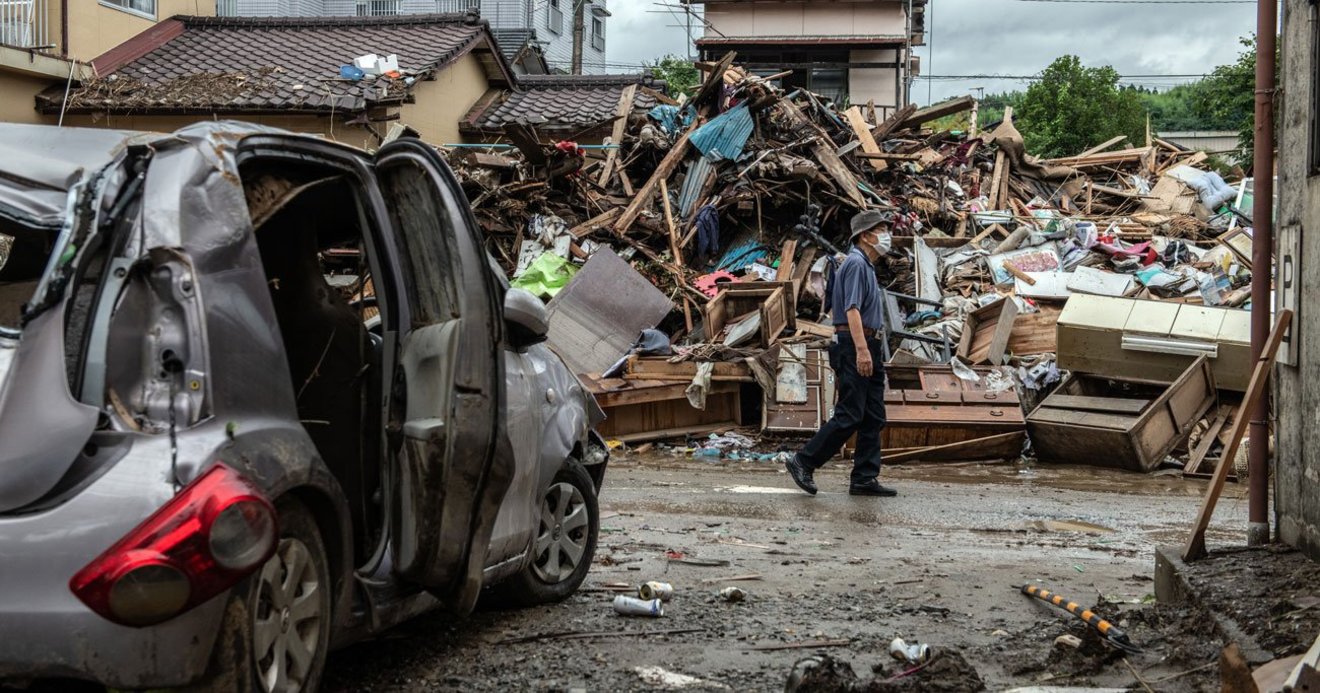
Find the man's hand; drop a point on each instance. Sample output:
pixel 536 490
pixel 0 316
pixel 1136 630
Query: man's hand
pixel 865 365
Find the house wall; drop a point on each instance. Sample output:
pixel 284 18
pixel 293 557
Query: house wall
pixel 1297 449
pixel 440 104
pixel 875 83
pixel 95 28
pixel 18 94
pixel 310 124
pixel 559 46
pixel 806 19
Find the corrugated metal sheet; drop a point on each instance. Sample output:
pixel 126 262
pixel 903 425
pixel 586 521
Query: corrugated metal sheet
pixel 697 172
pixel 725 136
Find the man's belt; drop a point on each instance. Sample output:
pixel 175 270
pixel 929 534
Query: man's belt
pixel 866 332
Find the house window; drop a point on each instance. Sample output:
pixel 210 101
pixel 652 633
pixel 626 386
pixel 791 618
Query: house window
pixel 377 8
pixel 145 7
pixel 555 20
pixel 445 6
pixel 598 34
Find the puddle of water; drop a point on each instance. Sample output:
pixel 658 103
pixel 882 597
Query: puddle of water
pixel 759 489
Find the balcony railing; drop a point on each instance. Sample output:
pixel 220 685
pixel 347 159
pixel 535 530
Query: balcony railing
pixel 445 6
pixel 23 24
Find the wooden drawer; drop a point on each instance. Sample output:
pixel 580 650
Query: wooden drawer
pixel 1116 422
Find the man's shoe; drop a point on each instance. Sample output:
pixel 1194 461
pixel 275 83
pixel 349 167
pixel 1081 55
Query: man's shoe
pixel 801 474
pixel 871 488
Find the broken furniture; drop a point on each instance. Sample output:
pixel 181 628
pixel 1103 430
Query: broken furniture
pixel 642 410
pixel 929 406
pixel 804 394
pixel 762 309
pixel 1153 340
pixel 1118 422
pixel 986 332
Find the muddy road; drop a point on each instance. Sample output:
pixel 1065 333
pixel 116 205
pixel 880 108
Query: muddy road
pixel 938 564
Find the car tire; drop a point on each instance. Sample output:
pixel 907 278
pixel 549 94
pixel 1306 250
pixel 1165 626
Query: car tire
pixel 283 610
pixel 565 542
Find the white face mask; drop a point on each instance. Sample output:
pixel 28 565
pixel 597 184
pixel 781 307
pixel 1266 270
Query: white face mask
pixel 882 244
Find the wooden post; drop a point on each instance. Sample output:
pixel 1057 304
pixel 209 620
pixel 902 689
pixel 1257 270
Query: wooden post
pixel 1260 376
pixel 663 171
pixel 616 137
pixel 669 223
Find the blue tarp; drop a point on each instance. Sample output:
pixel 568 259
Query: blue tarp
pixel 671 119
pixel 725 136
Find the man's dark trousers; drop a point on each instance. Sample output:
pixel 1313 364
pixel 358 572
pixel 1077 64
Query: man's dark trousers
pixel 860 410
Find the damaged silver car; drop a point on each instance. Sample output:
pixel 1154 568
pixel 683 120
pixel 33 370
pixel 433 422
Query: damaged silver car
pixel 262 395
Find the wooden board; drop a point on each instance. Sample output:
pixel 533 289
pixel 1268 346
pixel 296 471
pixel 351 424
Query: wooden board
pixel 824 152
pixel 995 447
pixel 1116 405
pixel 1260 376
pixel 616 137
pixel 1035 333
pixel 863 132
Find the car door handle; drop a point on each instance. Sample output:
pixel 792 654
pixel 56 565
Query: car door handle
pixel 424 429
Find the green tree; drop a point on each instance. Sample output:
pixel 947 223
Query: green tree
pixel 1227 98
pixel 1072 108
pixel 678 73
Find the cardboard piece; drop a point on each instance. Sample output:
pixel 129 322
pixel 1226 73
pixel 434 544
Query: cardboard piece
pixel 1089 280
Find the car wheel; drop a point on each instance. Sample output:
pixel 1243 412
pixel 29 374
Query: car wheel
pixel 277 624
pixel 565 544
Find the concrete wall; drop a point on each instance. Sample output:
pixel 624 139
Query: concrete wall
pixel 440 104
pixel 806 19
pixel 1297 449
pixel 95 28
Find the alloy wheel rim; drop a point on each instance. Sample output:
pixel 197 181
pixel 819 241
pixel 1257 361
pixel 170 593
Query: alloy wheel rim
pixel 561 541
pixel 286 626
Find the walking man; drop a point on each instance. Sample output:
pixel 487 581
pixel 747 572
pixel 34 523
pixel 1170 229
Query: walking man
pixel 857 309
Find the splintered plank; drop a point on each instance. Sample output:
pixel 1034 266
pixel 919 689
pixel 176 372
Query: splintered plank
pixel 863 132
pixel 616 137
pixel 823 148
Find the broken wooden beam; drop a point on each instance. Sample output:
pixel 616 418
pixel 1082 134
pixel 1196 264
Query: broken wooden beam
pixel 939 110
pixel 662 172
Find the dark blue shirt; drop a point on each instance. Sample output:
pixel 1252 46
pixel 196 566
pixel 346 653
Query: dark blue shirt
pixel 855 286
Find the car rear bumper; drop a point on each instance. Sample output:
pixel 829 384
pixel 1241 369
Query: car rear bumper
pixel 45 631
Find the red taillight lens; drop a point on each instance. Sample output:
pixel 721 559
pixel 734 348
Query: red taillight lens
pixel 215 532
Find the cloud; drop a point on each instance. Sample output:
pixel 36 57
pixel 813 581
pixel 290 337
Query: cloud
pixel 1004 37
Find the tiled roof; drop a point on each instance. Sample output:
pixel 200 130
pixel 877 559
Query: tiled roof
pixel 560 103
pixel 260 64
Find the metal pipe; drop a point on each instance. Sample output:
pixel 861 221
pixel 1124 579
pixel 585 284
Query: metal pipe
pixel 1267 22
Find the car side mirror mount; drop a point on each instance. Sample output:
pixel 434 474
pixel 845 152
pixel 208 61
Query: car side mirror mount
pixel 525 317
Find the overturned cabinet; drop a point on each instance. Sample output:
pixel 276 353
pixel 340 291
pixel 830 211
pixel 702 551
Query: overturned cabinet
pixel 1119 422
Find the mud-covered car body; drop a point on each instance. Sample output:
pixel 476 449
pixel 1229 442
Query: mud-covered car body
pixel 160 334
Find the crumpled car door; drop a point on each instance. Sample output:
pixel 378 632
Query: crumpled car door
pixel 450 475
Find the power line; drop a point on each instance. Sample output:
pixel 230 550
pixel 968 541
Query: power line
pixel 1146 2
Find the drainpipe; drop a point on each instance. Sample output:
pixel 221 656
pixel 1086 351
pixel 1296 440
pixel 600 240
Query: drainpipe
pixel 906 61
pixel 64 28
pixel 1262 217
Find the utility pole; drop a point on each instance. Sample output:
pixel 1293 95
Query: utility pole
pixel 1262 217
pixel 579 30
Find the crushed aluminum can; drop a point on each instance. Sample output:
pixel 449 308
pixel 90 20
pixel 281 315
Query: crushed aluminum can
pixel 656 590
pixel 632 606
pixel 733 595
pixel 916 653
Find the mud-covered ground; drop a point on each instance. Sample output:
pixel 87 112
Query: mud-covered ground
pixel 939 564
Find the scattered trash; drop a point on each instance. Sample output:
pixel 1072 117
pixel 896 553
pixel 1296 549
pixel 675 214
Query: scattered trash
pixel 651 591
pixel 631 606
pixel 1068 640
pixel 657 676
pixel 914 653
pixel 733 595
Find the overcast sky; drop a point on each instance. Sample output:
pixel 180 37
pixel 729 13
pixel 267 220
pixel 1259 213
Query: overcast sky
pixel 1005 37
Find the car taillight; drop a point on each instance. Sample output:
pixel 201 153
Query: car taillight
pixel 213 533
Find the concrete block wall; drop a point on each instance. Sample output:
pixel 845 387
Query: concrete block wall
pixel 1297 446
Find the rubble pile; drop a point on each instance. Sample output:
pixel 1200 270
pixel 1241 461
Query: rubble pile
pixel 1112 275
